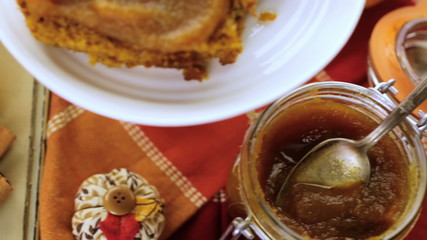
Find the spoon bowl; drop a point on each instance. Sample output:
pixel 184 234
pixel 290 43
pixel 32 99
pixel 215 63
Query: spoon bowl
pixel 336 162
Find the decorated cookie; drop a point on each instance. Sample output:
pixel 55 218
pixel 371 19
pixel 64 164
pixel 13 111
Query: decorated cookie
pixel 119 205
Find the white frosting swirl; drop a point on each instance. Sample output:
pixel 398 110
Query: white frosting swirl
pixel 90 211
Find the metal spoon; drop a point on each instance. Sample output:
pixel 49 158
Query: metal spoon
pixel 340 162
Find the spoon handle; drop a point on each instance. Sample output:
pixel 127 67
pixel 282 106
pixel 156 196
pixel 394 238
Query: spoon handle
pixel 406 107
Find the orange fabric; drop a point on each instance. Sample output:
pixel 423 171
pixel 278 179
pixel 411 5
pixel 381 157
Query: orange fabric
pixel 91 144
pixel 202 149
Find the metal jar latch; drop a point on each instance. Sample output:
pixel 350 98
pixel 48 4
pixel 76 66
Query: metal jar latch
pixel 240 227
pixel 420 121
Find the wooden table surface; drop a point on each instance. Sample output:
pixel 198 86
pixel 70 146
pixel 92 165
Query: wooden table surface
pixel 19 112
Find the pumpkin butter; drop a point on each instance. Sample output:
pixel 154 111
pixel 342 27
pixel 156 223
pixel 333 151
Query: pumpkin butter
pixel 359 212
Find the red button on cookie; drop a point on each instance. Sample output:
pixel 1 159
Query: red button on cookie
pixel 119 200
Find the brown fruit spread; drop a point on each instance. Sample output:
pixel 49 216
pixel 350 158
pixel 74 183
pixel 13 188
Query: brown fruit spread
pixel 358 212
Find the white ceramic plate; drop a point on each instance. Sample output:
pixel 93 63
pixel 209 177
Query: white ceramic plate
pixel 277 57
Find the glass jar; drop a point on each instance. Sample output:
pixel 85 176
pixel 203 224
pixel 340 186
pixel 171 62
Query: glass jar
pixel 256 218
pixel 398 50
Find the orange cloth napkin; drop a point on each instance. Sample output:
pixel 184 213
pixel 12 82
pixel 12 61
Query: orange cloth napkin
pixel 188 165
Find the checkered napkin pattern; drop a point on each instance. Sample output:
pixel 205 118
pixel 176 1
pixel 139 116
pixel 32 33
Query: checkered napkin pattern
pixel 189 165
